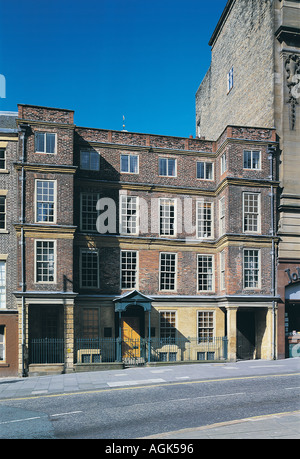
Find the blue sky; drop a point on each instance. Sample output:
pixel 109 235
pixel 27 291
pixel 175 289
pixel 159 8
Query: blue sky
pixel 108 58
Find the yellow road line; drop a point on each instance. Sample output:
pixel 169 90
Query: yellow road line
pixel 164 384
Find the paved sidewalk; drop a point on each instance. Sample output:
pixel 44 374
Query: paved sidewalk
pixel 285 426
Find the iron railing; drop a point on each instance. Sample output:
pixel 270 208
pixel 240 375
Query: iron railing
pixel 143 350
pixel 47 350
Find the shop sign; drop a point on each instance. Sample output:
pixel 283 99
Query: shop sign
pixel 293 277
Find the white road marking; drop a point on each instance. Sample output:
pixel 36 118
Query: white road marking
pixel 182 377
pixel 40 417
pixel 134 383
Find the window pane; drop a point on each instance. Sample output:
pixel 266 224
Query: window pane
pixel 94 161
pixel 2 285
pixel 128 269
pixel 2 212
pixel 134 164
pixel 168 326
pixel 40 142
pixel 124 163
pixel 162 166
pixel 205 273
pixel 171 167
pixel 84 160
pixel 50 143
pixel 167 271
pixel 256 160
pixel 200 170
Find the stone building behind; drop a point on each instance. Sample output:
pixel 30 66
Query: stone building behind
pixel 254 80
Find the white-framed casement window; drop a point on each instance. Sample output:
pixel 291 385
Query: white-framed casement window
pixel 204 219
pixel 2 343
pixel 129 269
pixel 222 270
pixel 89 160
pixel 252 159
pixel 205 170
pixel 222 216
pixel 89 268
pixel 88 211
pixel 167 326
pixel 2 159
pixel 45 142
pixel 2 284
pixel 130 164
pixel 223 163
pixel 45 195
pixel 251 212
pixel 205 326
pixel 251 265
pixel 167 217
pixel 230 80
pixel 167 271
pixel 45 262
pixel 168 167
pixel 2 212
pixel 205 270
pixel 129 215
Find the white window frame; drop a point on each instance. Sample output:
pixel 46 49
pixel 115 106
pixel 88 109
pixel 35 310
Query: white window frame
pixel 168 311
pixel 209 337
pixel 3 344
pixel 132 220
pixel 91 287
pixel 174 273
pixel 45 142
pixel 254 215
pixel 54 261
pixel 258 269
pixel 128 171
pixel 224 163
pixel 160 203
pixel 136 271
pixel 251 160
pixel 89 168
pixel 206 170
pixel 88 230
pixel 222 216
pixel 54 202
pixel 212 274
pixel 222 269
pixel 230 80
pixel 167 166
pixel 204 222
pixel 3 292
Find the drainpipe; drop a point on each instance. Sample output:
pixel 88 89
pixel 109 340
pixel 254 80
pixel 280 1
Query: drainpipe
pixel 272 152
pixel 22 244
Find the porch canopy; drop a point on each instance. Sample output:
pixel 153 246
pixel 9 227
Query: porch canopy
pixel 133 298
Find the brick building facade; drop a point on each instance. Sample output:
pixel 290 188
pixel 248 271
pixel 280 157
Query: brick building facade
pixel 8 244
pixel 129 238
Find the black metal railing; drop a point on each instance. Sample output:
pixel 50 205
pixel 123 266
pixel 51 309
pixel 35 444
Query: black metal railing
pixel 47 350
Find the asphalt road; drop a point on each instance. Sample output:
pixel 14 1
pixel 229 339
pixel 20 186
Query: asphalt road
pixel 124 411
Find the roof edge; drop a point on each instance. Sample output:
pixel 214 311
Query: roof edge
pixel 221 22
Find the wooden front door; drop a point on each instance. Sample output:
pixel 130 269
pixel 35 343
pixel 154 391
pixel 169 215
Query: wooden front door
pixel 131 339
